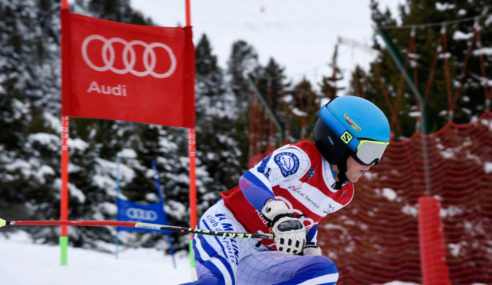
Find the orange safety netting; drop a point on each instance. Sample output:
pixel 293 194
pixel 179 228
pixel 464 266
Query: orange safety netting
pixel 375 239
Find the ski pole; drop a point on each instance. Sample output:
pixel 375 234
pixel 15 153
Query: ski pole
pixel 88 223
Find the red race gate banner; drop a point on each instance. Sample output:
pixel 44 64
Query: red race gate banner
pixel 127 72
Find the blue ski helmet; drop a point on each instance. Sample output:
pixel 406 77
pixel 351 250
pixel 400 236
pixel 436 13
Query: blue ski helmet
pixel 353 124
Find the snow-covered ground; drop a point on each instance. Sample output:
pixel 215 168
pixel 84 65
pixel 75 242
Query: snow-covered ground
pixel 24 263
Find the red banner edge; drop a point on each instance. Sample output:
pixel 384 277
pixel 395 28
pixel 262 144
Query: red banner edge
pixel 189 96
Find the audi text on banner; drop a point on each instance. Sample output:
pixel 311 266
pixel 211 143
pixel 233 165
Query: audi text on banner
pixel 127 72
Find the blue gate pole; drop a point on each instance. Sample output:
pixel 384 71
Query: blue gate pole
pixel 161 197
pixel 116 239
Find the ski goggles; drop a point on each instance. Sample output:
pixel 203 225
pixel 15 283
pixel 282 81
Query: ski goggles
pixel 369 152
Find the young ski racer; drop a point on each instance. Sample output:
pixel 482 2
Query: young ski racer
pixel 287 194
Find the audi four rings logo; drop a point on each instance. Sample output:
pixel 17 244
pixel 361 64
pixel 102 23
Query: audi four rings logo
pixel 128 56
pixel 139 214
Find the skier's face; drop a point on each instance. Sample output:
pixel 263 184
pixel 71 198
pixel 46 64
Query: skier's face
pixel 355 170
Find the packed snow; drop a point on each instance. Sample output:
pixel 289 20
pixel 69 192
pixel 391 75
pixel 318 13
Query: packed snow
pixel 23 262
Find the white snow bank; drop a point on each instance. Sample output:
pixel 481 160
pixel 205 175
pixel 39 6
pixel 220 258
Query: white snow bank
pixel 25 263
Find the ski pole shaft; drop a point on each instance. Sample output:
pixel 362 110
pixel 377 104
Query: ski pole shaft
pixel 88 223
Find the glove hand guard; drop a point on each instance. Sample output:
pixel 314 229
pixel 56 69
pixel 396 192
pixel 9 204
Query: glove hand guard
pixel 289 231
pixel 311 249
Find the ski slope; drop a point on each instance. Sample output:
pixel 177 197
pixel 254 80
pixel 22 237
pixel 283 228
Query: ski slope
pixel 24 263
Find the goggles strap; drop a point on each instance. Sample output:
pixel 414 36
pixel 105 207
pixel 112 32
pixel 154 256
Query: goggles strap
pixel 342 169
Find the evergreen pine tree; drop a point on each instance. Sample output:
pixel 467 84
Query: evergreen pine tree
pixel 217 112
pixel 28 72
pixel 471 95
pixel 242 63
pixel 270 82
